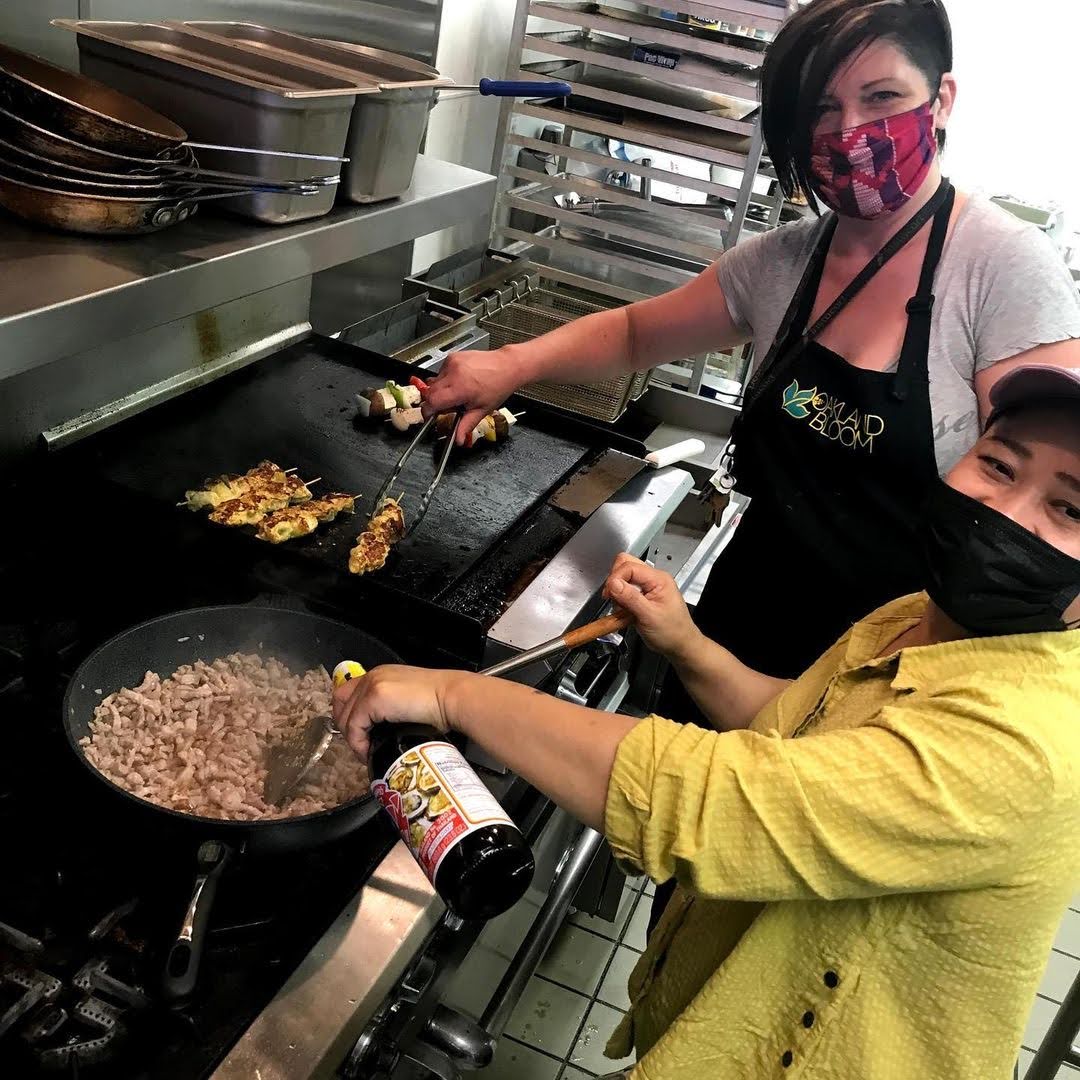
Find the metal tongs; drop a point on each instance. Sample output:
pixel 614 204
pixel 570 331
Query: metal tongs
pixel 425 499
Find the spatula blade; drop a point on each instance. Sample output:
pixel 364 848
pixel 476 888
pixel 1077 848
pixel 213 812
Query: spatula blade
pixel 588 490
pixel 293 758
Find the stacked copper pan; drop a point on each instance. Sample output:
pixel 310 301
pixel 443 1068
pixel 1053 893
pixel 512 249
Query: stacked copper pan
pixel 77 155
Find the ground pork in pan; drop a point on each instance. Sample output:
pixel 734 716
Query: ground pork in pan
pixel 196 741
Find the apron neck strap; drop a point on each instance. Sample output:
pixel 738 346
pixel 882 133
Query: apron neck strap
pixel 920 308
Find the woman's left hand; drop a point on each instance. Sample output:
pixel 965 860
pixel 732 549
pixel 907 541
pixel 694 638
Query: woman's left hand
pixel 390 694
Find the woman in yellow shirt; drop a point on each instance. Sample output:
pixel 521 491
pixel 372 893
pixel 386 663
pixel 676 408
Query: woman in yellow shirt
pixel 873 859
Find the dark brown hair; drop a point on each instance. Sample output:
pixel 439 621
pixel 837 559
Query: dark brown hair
pixel 809 48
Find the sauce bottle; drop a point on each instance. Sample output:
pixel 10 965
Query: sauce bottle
pixel 470 850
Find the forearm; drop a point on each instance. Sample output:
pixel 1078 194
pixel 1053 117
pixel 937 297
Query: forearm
pixel 684 322
pixel 589 349
pixel 729 693
pixel 564 750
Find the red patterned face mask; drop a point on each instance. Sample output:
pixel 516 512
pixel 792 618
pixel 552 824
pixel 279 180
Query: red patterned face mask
pixel 873 169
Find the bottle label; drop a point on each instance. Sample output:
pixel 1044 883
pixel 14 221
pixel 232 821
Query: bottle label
pixel 436 800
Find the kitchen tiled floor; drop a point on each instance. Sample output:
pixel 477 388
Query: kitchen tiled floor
pixel 578 995
pixel 1061 969
pixel 575 1000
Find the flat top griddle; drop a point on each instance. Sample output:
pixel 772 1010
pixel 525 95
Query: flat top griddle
pixel 298 409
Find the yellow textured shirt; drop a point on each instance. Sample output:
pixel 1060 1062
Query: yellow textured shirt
pixel 874 899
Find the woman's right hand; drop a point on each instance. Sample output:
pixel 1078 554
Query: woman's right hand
pixel 477 382
pixel 653 599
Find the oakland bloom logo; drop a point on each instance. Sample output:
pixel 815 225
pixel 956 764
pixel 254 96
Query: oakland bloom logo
pixel 832 418
pixel 796 400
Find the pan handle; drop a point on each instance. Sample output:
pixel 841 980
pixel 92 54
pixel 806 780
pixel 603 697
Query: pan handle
pixel 185 954
pixel 182 208
pixel 265 152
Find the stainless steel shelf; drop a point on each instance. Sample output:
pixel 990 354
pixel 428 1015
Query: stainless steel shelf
pixel 606 161
pixel 754 13
pixel 610 52
pixel 62 294
pixel 643 28
pixel 637 93
pixel 643 130
pixel 696 234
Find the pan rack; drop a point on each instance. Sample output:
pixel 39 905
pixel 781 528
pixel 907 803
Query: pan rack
pixel 698 183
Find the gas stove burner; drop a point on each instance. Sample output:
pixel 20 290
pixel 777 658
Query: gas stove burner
pixel 29 988
pixel 23 943
pixel 77 1048
pixel 96 976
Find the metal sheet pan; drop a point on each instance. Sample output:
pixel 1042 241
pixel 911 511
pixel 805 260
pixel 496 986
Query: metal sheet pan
pixel 172 44
pixel 385 70
pixel 216 108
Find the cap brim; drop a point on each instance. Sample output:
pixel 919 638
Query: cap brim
pixel 1034 382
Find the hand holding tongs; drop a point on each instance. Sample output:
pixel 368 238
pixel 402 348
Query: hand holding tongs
pixel 425 499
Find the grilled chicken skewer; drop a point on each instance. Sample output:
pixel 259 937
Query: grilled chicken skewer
pixel 228 487
pixel 296 521
pixel 385 529
pixel 261 500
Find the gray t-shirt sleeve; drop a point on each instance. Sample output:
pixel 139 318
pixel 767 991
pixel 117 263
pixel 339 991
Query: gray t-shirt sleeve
pixel 1026 298
pixel 758 276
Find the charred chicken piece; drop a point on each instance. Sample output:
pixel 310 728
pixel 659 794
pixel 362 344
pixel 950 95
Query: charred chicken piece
pixel 327 507
pixel 373 545
pixel 370 553
pixel 245 511
pixel 287 524
pixel 388 523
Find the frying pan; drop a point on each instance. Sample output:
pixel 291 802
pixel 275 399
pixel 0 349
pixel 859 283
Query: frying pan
pixel 90 111
pixel 55 150
pixel 41 140
pixel 19 166
pixel 162 645
pixel 30 169
pixel 153 174
pixel 110 214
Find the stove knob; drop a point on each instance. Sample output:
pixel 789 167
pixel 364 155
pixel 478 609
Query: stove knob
pixel 369 1058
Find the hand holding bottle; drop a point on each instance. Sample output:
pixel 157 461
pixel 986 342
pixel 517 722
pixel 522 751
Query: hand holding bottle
pixel 390 694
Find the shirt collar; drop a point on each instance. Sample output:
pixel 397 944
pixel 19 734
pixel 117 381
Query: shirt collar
pixel 871 635
pixel 919 665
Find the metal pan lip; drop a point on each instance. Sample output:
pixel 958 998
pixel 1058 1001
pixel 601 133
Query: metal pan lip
pixel 168 131
pixel 342 61
pixel 49 164
pixel 71 186
pixel 109 32
pixel 226 824
pixel 145 200
pixel 66 140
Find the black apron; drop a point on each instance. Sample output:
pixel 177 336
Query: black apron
pixel 837 462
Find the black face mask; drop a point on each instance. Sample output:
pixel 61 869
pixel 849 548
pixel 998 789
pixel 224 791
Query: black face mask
pixel 990 575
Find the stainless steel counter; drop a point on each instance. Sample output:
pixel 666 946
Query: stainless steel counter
pixel 309 1027
pixel 64 294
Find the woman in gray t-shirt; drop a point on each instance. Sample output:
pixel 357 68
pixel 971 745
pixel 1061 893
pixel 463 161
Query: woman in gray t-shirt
pixel 855 408
pixel 862 396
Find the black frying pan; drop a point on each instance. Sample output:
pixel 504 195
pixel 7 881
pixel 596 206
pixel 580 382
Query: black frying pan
pixel 162 645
